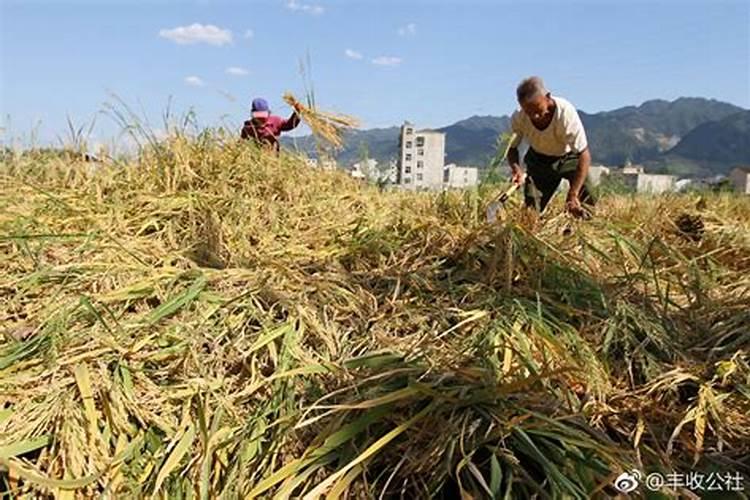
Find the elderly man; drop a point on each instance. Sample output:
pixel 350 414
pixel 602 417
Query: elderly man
pixel 558 148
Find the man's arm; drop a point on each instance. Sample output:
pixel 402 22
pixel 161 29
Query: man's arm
pixel 291 122
pixel 573 203
pixel 575 137
pixel 584 162
pixel 513 156
pixel 515 165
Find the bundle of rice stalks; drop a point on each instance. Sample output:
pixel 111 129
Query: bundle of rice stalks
pixel 329 127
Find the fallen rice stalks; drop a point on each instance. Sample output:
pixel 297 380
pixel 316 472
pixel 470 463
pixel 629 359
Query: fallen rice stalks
pixel 175 327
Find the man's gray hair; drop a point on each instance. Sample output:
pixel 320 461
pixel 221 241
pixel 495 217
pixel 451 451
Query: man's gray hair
pixel 529 88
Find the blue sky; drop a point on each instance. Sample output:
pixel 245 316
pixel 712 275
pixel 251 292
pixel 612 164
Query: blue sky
pixel 432 62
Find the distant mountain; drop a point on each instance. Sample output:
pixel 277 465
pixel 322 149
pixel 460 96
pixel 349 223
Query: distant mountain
pixel 472 141
pixel 381 144
pixel 726 140
pixel 644 132
pixel 653 132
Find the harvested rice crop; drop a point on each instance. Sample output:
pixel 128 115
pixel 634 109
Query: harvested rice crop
pixel 209 320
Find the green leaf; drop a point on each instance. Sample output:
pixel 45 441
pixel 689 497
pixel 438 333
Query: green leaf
pixel 496 476
pixel 178 302
pixel 174 458
pixel 22 447
pixel 269 337
pixel 5 414
pixel 343 435
pixel 527 445
pixel 375 360
pixel 371 450
pixel 33 477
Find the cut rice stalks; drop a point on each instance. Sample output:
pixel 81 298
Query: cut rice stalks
pixel 327 126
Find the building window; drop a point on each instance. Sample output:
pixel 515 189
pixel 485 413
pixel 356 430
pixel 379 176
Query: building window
pixel 420 141
pixel 409 130
pixel 407 180
pixel 408 144
pixel 420 152
pixel 420 164
pixel 408 156
pixel 407 169
pixel 419 177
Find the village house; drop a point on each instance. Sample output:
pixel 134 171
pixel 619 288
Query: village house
pixel 740 177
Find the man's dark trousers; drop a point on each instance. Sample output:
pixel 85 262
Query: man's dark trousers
pixel 544 174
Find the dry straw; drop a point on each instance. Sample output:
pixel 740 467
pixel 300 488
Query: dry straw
pixel 327 126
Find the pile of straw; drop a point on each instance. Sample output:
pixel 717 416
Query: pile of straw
pixel 329 127
pixel 214 321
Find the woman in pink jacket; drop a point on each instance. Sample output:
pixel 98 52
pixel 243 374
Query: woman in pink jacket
pixel 265 128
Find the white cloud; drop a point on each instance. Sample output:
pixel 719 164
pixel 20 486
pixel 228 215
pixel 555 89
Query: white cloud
pixel 387 61
pixel 353 54
pixel 308 8
pixel 236 71
pixel 194 81
pixel 197 33
pixel 408 30
pixel 249 34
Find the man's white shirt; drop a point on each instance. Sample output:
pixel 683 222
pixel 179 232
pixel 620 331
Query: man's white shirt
pixel 564 134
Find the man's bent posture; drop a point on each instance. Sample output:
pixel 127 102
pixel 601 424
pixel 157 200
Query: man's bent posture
pixel 558 148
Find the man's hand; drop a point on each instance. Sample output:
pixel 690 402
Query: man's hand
pixel 517 176
pixel 573 205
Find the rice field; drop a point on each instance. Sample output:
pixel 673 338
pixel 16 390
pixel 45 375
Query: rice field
pixel 212 321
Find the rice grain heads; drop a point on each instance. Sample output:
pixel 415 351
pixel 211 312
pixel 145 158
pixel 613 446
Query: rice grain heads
pixel 324 125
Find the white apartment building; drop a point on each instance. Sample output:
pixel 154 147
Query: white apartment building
pixel 455 176
pixel 421 158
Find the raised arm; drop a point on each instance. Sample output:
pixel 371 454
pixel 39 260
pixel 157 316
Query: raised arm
pixel 292 121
